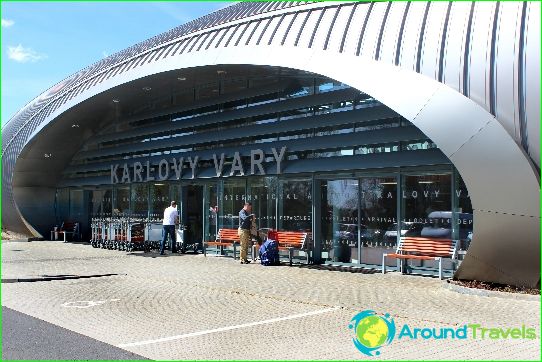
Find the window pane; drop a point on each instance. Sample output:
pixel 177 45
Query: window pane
pixel 140 200
pixel 295 206
pixel 339 222
pixel 378 224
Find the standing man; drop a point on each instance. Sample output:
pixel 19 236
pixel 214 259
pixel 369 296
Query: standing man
pixel 171 218
pixel 245 223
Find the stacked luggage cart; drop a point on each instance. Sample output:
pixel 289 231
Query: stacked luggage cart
pixel 128 233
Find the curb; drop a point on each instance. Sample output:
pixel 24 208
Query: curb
pixel 489 293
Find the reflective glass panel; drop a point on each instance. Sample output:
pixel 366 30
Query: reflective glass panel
pixel 159 199
pixel 232 199
pixel 339 222
pixel 140 201
pixel 122 201
pixel 378 222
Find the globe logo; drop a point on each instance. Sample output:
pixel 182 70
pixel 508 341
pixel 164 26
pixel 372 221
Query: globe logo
pixel 372 332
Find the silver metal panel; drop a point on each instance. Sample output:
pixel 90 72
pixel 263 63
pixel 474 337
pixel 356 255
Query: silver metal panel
pixel 411 35
pixel 432 38
pixel 372 31
pixel 269 31
pixel 505 67
pixel 490 188
pixel 454 60
pixel 480 46
pixel 532 80
pixel 281 31
pixel 502 250
pixel 222 38
pixel 352 36
pixel 471 117
pixel 198 43
pixel 215 39
pixel 323 29
pixel 306 32
pixel 337 31
pixel 391 31
pixel 295 28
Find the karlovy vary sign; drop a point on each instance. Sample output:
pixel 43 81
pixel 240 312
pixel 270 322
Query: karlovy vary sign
pixel 139 172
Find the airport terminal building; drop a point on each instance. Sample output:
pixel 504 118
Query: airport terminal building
pixel 356 122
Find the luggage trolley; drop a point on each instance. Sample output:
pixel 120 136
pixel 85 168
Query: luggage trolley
pixel 136 236
pixel 153 234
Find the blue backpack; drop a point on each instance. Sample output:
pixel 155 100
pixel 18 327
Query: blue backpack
pixel 269 253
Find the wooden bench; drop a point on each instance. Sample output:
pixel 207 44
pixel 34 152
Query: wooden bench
pixel 423 249
pixel 225 237
pixel 67 228
pixel 290 241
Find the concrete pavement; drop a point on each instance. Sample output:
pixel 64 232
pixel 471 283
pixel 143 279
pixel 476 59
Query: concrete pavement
pixel 192 307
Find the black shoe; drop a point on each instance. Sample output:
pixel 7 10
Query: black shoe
pixel 245 261
pixel 162 254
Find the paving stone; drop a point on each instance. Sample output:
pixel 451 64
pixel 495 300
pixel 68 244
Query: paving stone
pixel 153 297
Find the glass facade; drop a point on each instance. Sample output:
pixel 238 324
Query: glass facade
pixel 295 205
pixel 359 218
pixel 378 217
pixel 339 220
pixel 347 177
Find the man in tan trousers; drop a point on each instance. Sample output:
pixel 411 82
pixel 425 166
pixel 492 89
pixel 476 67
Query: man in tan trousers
pixel 245 223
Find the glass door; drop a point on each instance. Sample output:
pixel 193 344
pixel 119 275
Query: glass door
pixel 192 216
pixel 231 201
pixel 378 219
pixel 426 211
pixel 262 192
pixel 210 211
pixel 339 221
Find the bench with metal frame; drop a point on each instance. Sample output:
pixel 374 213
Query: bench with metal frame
pixel 420 248
pixel 290 241
pixel 224 238
pixel 67 228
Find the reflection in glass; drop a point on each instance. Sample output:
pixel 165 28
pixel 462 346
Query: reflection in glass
pixel 192 216
pixel 76 205
pixel 262 192
pixel 211 211
pixel 427 200
pixel 140 201
pixel 339 222
pixel 463 214
pixel 122 202
pixel 159 200
pixel 232 199
pixel 100 203
pixel 295 206
pixel 62 205
pixel 378 217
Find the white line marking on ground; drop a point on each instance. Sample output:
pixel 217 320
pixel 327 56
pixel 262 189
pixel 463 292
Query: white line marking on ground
pixel 222 329
pixel 86 303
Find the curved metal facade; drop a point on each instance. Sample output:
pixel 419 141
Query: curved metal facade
pixel 475 66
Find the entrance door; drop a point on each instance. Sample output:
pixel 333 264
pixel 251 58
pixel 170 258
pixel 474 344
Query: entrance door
pixel 378 221
pixel 339 221
pixel 192 216
pixel 210 211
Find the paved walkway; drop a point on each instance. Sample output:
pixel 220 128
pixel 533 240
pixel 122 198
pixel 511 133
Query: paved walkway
pixel 192 307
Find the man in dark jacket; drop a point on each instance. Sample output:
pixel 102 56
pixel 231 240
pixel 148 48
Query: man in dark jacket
pixel 245 222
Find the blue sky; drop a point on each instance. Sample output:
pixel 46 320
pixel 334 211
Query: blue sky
pixel 44 42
